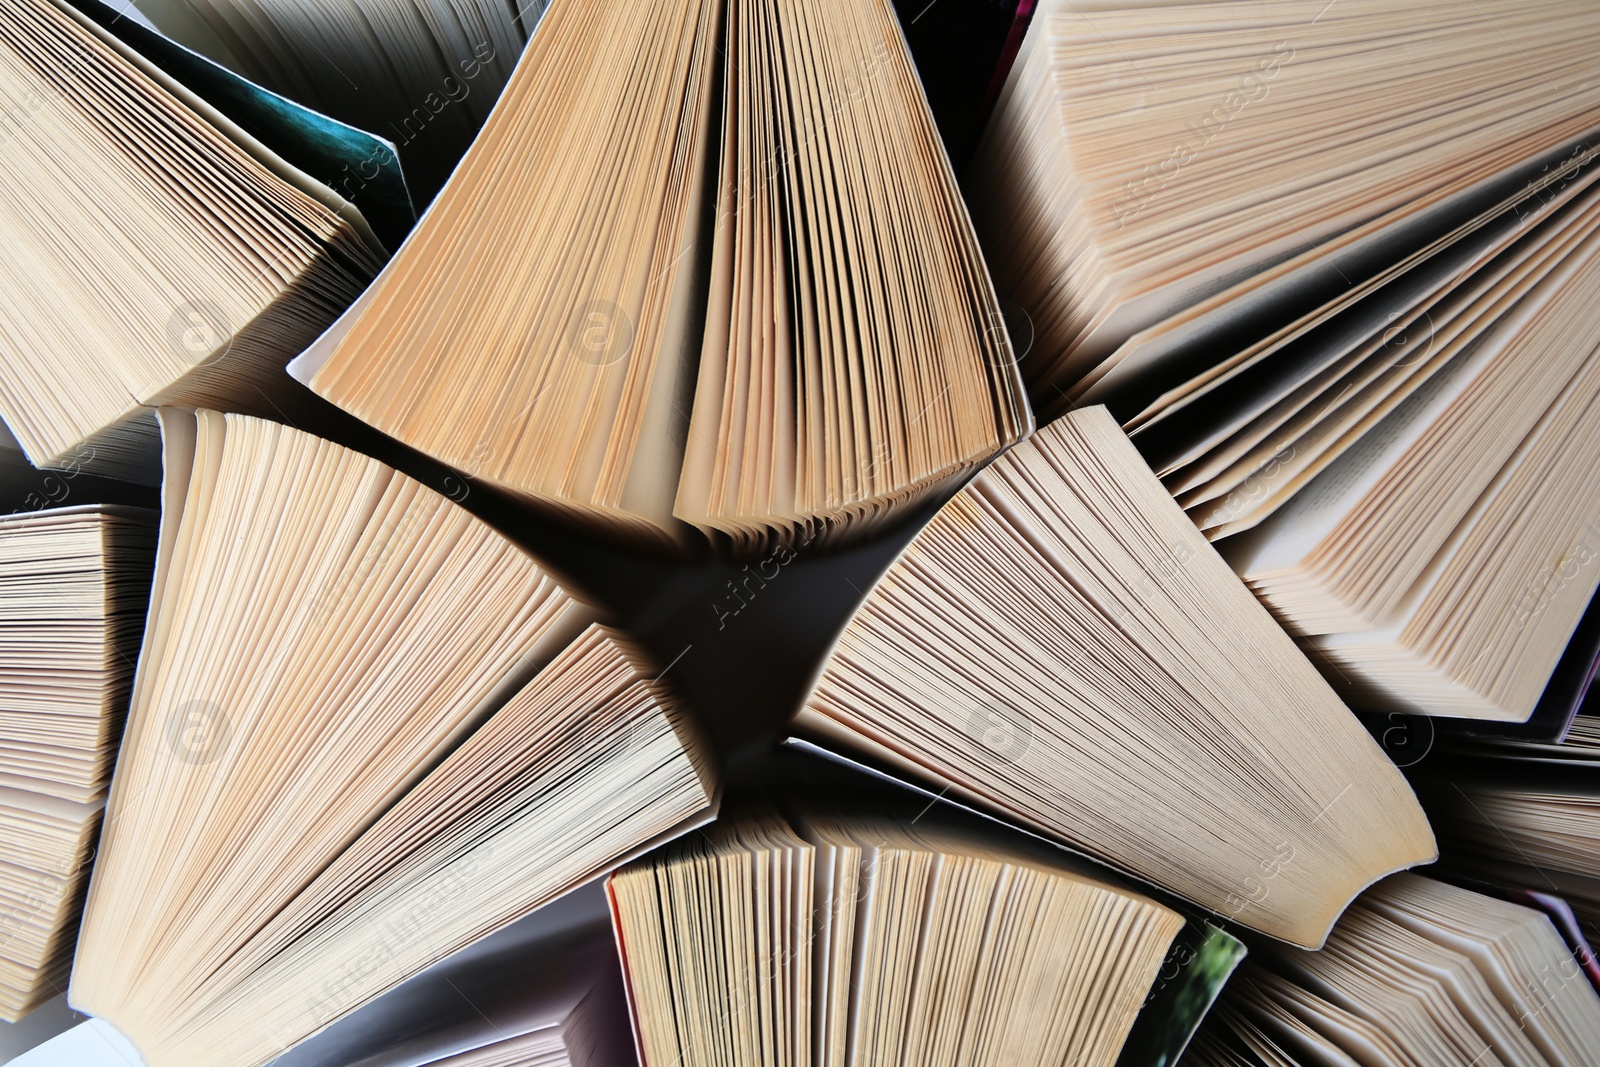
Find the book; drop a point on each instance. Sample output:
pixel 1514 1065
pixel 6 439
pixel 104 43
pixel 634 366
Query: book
pixel 361 167
pixel 1339 302
pixel 1463 291
pixel 1199 961
pixel 1569 692
pixel 74 587
pixel 833 938
pixel 1518 813
pixel 1557 910
pixel 424 76
pixel 545 991
pixel 365 730
pixel 1155 173
pixel 1418 564
pixel 181 264
pixel 1417 971
pixel 1059 644
pixel 765 318
pixel 48 847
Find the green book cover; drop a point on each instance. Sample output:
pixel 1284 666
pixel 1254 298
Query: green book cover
pixel 1197 966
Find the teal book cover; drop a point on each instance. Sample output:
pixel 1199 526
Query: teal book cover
pixel 358 166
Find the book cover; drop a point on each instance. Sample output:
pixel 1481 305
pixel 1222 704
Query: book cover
pixel 359 166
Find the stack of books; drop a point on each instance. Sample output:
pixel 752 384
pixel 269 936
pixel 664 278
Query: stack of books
pixel 1197 484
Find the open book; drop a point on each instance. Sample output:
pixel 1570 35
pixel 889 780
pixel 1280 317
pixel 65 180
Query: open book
pixel 760 311
pixel 422 74
pixel 1160 181
pixel 1417 971
pixel 1522 813
pixel 74 589
pixel 184 264
pixel 1061 645
pixel 1439 554
pixel 365 731
pixel 1332 267
pixel 833 938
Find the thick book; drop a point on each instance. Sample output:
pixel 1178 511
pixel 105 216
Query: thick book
pixel 1060 644
pixel 706 264
pixel 1418 971
pixel 365 731
pixel 1156 173
pixel 423 75
pixel 1340 301
pixel 1199 961
pixel 183 263
pixel 74 588
pixel 1443 558
pixel 1521 813
pixel 835 936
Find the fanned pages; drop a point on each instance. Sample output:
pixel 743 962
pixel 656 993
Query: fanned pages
pixel 365 730
pixel 1159 176
pixel 422 73
pixel 1441 562
pixel 74 588
pixel 1522 814
pixel 832 939
pixel 854 354
pixel 1062 645
pixel 540 330
pixel 153 253
pixel 1333 268
pixel 1240 438
pixel 1417 972
pixel 537 329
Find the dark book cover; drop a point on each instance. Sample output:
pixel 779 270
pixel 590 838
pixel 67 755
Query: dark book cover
pixel 1198 965
pixel 963 50
pixel 356 165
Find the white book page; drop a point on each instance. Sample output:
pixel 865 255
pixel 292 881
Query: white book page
pixel 95 1043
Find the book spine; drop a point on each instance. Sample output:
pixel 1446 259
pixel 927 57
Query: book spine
pixel 627 975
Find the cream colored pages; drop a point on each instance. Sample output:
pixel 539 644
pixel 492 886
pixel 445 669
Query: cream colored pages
pixel 854 360
pixel 1146 157
pixel 1060 642
pixel 174 300
pixel 597 144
